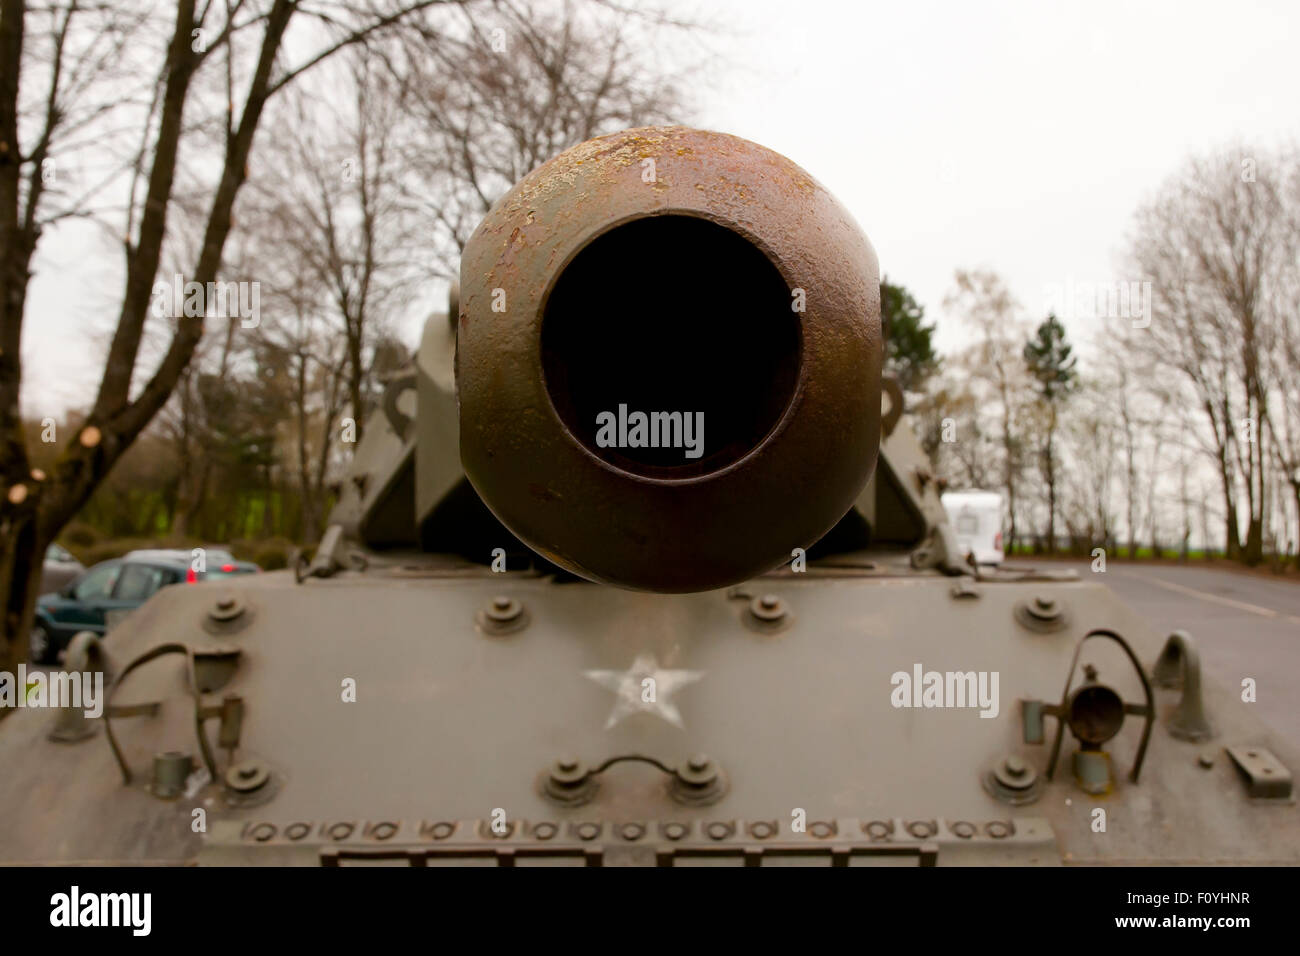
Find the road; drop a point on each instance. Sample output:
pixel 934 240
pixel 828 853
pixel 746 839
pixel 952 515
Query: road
pixel 1245 626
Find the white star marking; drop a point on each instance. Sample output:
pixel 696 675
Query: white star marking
pixel 630 689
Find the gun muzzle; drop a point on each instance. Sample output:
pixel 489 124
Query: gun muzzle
pixel 668 359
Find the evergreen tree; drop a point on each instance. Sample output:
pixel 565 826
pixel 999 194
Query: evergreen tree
pixel 1052 365
pixel 909 349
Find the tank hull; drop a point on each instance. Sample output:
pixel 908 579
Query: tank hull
pixel 456 728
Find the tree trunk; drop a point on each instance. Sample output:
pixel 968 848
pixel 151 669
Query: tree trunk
pixel 1232 539
pixel 268 507
pixel 1051 488
pixel 1254 551
pixel 1130 490
pixel 1295 491
pixel 188 512
pixel 1011 500
pixel 22 551
pixel 306 497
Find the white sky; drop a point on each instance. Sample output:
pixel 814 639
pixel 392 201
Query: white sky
pixel 1014 136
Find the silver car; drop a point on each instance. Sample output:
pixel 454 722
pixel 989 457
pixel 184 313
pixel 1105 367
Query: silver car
pixel 60 567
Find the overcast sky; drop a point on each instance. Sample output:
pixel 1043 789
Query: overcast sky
pixel 1014 136
pixel 1017 136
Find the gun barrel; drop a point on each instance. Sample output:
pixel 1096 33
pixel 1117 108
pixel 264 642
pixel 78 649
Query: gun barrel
pixel 668 359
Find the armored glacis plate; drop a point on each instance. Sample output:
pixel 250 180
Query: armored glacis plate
pixel 668 359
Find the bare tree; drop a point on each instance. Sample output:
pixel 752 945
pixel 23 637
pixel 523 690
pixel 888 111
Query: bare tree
pixel 381 167
pixel 996 362
pixel 1208 243
pixel 330 209
pixel 952 433
pixel 1284 357
pixel 1129 423
pixel 314 361
pixel 1092 440
pixel 518 84
pixel 238 47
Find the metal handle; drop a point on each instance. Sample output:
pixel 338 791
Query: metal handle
pixel 1179 665
pixel 161 650
pixel 1147 710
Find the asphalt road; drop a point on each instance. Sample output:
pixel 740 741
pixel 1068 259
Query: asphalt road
pixel 1245 626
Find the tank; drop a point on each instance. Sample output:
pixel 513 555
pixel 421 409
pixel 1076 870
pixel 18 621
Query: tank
pixel 642 564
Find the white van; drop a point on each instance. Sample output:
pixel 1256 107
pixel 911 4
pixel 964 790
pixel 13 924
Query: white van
pixel 976 518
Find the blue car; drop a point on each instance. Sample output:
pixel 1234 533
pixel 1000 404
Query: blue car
pixel 119 585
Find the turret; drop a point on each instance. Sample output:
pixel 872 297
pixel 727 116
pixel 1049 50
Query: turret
pixel 660 370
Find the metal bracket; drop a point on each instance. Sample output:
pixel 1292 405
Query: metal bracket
pixel 1179 665
pixel 85 653
pixel 1033 711
pixel 940 550
pixel 397 419
pixel 330 557
pixel 889 385
pixel 1266 777
pixel 698 782
pixel 151 708
pixel 231 712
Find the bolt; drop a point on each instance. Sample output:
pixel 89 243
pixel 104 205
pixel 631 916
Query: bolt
pixel 1044 603
pixel 1206 760
pixel 698 763
pixel 504 610
pixel 769 610
pixel 998 830
pixel 247 777
pixel 1015 766
pixel 568 764
pixel 226 603
pixel 544 831
pixel 632 831
pixel 718 830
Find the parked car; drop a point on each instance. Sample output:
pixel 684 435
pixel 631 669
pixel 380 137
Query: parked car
pixel 217 562
pixel 114 587
pixel 59 568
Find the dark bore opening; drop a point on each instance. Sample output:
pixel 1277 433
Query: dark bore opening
pixel 670 314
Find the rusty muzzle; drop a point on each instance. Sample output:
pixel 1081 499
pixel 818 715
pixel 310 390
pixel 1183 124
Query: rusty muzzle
pixel 668 359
